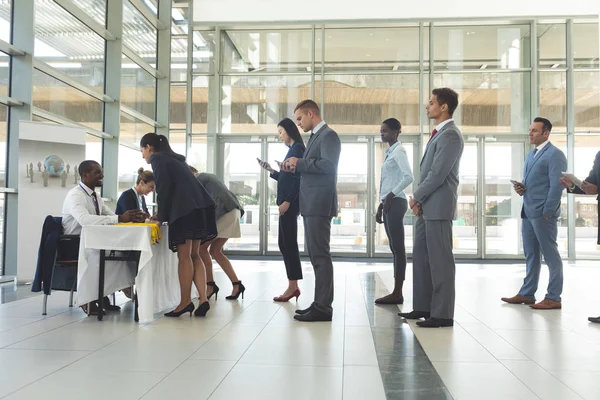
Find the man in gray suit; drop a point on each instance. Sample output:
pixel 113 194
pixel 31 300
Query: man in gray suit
pixel 435 204
pixel 318 203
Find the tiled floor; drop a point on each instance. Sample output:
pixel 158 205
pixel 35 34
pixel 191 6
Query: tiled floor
pixel 253 349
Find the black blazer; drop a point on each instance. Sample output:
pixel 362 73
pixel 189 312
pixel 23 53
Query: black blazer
pixel 129 201
pixel 288 184
pixel 593 178
pixel 178 193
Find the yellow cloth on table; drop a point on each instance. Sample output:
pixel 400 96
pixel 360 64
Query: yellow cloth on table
pixel 156 232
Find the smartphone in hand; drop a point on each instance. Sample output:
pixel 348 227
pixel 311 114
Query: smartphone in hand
pixel 516 183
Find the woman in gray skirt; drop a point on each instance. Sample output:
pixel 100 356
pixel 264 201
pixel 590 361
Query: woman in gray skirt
pixel 396 176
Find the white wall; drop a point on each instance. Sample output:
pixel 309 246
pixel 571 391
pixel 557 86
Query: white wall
pixel 276 11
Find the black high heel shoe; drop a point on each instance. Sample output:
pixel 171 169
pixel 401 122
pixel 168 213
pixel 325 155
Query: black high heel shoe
pixel 202 309
pixel 216 289
pixel 241 291
pixel 189 308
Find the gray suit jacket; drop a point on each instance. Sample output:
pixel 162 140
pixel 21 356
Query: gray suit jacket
pixel 438 188
pixel 318 174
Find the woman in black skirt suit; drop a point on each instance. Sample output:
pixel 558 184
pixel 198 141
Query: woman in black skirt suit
pixel 190 211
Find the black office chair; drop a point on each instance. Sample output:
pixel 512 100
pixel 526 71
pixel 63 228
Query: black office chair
pixel 57 261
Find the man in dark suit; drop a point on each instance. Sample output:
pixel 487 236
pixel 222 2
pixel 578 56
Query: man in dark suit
pixel 589 187
pixel 318 203
pixel 434 202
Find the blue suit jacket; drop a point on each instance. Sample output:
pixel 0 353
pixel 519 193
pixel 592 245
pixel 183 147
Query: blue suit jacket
pixel 543 189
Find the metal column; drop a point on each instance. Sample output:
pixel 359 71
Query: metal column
pixel 21 83
pixel 112 111
pixel 163 66
pixel 570 139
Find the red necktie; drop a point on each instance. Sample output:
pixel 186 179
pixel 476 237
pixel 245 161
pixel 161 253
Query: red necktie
pixel 432 135
pixel 96 205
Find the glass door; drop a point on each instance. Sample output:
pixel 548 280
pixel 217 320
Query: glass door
pixel 503 162
pixel 242 175
pixel 349 228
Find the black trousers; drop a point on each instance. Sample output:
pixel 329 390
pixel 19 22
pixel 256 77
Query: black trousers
pixel 288 242
pixel 394 228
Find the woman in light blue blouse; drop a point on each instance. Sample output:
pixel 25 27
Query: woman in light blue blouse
pixel 396 176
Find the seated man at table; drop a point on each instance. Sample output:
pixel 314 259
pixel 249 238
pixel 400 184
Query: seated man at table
pixel 83 206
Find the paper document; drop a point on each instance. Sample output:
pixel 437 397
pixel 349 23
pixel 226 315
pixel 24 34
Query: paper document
pixel 573 178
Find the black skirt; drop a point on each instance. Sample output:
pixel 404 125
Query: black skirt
pixel 200 224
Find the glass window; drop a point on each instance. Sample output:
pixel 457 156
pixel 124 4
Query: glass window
pixel 481 47
pixel 2 208
pixel 179 60
pixel 177 141
pixel 490 102
pixel 587 101
pixel 73 49
pixel 177 109
pixel 139 35
pixel 264 51
pixel 198 153
pixel 553 99
pixel 130 160
pixel 375 49
pixel 132 129
pixel 552 45
pixel 179 20
pixel 3 149
pixel 93 147
pixel 4 73
pixel 357 104
pixel 204 47
pixel 199 104
pixel 5 20
pixel 255 104
pixel 586 207
pixel 138 88
pixel 586 48
pixel 94 8
pixel 52 95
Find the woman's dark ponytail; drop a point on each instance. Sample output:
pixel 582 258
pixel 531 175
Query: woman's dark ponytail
pixel 160 143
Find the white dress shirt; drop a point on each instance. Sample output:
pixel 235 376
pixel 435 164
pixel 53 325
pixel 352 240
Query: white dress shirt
pixel 396 174
pixel 139 198
pixel 540 147
pixel 319 126
pixel 79 210
pixel 443 123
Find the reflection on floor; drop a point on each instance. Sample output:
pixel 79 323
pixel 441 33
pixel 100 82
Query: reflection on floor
pixel 253 349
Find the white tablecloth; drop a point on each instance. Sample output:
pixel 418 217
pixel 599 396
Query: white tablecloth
pixel 157 281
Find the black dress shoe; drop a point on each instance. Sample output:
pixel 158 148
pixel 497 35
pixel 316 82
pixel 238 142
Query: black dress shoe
pixel 595 320
pixel 313 316
pixel 109 307
pixel 305 311
pixel 415 314
pixel 435 323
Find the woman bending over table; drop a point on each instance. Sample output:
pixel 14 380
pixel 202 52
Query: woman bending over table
pixel 190 211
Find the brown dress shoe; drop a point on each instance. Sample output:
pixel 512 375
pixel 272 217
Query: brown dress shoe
pixel 518 299
pixel 547 304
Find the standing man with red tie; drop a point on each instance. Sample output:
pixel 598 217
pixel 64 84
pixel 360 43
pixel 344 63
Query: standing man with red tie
pixel 434 202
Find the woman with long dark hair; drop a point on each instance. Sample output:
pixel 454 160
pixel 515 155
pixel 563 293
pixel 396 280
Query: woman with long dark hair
pixel 396 175
pixel 288 190
pixel 190 211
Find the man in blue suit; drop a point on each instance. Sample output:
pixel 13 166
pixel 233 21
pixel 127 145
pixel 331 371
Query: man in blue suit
pixel 541 190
